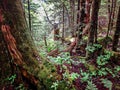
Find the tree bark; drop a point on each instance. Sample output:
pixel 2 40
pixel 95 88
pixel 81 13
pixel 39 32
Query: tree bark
pixel 81 23
pixel 88 5
pixel 92 34
pixel 78 13
pixel 72 16
pixel 63 29
pixel 117 32
pixel 111 12
pixel 17 53
pixel 29 15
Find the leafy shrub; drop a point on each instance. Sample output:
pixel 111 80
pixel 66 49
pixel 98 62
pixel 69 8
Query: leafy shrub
pixel 103 59
pixel 107 83
pixel 63 57
pixel 91 86
pixel 74 76
pixel 55 85
pixel 11 78
pixel 51 46
pixel 20 87
pixel 102 72
pixel 71 77
pixel 85 76
pixel 94 47
pixel 117 68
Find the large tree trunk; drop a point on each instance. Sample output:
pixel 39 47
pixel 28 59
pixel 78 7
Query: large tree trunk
pixel 17 53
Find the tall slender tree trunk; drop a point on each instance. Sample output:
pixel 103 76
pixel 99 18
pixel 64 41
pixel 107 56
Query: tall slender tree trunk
pixel 92 34
pixel 94 20
pixel 87 18
pixel 110 6
pixel 81 23
pixel 117 32
pixel 111 11
pixel 72 21
pixel 113 14
pixel 78 14
pixel 88 5
pixel 29 14
pixel 63 30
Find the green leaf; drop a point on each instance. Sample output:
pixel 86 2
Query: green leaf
pixel 91 86
pixel 74 76
pixel 107 83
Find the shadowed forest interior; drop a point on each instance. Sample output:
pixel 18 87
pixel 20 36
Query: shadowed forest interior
pixel 59 44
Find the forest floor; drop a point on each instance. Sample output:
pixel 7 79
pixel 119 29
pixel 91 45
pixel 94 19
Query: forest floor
pixel 102 72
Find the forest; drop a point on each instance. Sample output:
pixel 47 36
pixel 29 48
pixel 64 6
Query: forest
pixel 59 44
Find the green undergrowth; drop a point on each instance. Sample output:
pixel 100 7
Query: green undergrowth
pixel 102 69
pixel 99 68
pixel 105 40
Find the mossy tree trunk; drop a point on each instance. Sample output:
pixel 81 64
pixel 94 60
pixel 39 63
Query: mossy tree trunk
pixel 18 57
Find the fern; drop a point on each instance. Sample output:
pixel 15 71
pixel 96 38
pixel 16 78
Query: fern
pixel 107 83
pixel 91 86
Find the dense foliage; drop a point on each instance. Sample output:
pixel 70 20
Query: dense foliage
pixel 77 72
pixel 77 41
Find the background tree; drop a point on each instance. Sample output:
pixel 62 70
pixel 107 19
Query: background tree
pixel 81 24
pixel 92 38
pixel 117 32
